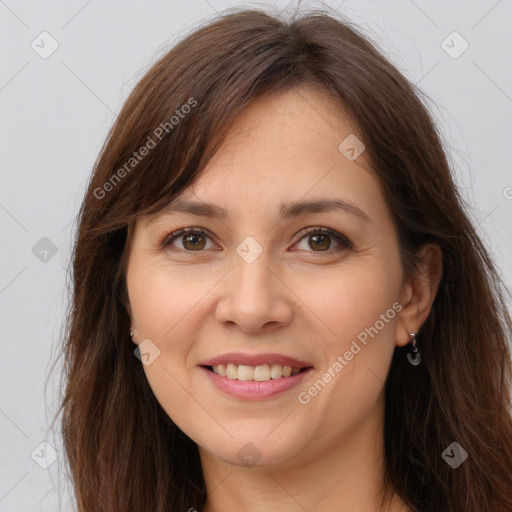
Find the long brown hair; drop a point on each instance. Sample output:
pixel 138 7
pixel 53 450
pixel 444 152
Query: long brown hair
pixel 124 452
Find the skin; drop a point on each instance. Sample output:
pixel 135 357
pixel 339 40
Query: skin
pixel 297 298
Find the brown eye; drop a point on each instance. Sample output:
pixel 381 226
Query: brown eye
pixel 321 242
pixel 321 239
pixel 192 240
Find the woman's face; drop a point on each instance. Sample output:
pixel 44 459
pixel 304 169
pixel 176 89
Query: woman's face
pixel 263 287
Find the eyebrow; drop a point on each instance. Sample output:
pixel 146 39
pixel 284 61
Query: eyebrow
pixel 287 210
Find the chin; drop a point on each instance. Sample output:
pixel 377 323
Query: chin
pixel 260 450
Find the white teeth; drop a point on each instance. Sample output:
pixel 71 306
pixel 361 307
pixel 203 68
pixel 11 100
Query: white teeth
pixel 262 372
pixel 276 371
pixel 258 373
pixel 245 372
pixel 232 371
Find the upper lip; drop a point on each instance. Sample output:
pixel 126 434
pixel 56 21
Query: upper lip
pixel 255 360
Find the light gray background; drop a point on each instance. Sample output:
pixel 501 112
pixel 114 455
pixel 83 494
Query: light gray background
pixel 55 114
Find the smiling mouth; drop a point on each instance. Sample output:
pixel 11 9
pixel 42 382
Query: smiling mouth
pixel 260 373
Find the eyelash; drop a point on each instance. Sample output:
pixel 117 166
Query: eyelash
pixel 342 240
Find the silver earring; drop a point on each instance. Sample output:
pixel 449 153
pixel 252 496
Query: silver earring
pixel 413 356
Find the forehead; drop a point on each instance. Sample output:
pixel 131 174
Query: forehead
pixel 281 152
pixel 299 121
pixel 286 144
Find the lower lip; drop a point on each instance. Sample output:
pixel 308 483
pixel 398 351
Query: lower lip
pixel 255 390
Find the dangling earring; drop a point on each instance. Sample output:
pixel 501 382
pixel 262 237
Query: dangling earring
pixel 413 356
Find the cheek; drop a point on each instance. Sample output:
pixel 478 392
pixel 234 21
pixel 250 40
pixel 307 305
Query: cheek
pixel 162 306
pixel 162 301
pixel 357 306
pixel 352 299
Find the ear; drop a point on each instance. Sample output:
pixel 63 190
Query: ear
pixel 419 292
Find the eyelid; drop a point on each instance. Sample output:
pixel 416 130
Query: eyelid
pixel 341 239
pixel 166 241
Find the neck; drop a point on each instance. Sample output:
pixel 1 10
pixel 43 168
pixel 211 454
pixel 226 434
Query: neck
pixel 347 477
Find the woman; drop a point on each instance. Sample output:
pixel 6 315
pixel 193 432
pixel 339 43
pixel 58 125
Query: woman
pixel 315 323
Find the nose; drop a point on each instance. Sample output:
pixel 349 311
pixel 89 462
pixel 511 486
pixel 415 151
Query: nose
pixel 254 297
